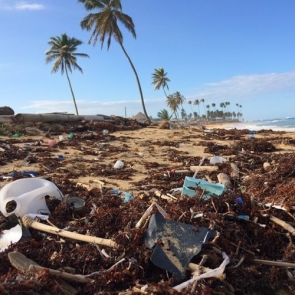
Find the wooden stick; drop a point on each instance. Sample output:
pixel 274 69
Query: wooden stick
pixel 30 222
pixel 283 224
pixel 275 263
pixel 145 216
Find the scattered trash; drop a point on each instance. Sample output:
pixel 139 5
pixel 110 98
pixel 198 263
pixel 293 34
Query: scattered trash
pixel 11 236
pixel 127 197
pixel 71 135
pixel 240 201
pixel 217 160
pixel 51 142
pixel 213 273
pixel 119 164
pixel 61 138
pixel 210 189
pixel 179 243
pixel 224 179
pixel 244 215
pixel 75 202
pixel 27 195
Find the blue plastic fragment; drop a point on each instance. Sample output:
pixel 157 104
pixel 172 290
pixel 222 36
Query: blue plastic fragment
pixel 127 197
pixel 190 183
pixel 240 201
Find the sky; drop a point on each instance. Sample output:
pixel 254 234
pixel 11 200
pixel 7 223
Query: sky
pixel 236 51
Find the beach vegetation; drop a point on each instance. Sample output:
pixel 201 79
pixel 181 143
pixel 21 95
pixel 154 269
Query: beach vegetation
pixel 164 115
pixel 63 53
pixel 160 80
pixel 105 25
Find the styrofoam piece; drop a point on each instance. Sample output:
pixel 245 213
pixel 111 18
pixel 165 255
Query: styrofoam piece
pixel 119 164
pixel 10 236
pixel 210 188
pixel 216 159
pixel 28 196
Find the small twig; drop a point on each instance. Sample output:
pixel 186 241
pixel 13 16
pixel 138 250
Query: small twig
pixel 113 266
pixel 184 213
pixel 275 263
pixel 107 270
pixel 212 202
pixel 49 222
pixel 268 209
pixel 283 224
pixel 145 216
pixel 238 248
pixel 100 251
pixel 250 252
pixel 238 264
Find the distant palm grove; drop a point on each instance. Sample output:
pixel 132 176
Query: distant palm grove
pixel 204 112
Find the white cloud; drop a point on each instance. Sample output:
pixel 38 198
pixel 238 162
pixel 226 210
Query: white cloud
pixel 251 85
pixel 21 5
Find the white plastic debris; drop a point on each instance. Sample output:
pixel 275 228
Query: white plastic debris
pixel 27 195
pixel 119 164
pixel 217 159
pixel 217 272
pixel 10 236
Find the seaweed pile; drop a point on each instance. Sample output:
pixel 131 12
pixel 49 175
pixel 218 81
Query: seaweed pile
pixel 260 245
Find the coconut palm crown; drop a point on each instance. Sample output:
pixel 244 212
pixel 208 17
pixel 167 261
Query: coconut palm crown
pixel 63 53
pixel 104 25
pixel 160 80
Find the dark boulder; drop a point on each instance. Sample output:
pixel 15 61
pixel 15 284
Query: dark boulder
pixel 6 111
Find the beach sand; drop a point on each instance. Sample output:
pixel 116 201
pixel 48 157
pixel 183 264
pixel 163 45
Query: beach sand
pixel 84 165
pixel 137 149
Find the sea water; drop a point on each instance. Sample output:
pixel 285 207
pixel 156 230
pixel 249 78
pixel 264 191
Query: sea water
pixel 278 124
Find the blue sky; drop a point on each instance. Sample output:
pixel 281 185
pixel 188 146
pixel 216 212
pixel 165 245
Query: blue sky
pixel 220 50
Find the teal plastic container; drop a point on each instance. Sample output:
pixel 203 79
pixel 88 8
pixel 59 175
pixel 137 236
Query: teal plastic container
pixel 211 189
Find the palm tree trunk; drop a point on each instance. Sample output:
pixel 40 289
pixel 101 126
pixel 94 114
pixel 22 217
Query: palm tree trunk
pixel 72 92
pixel 165 92
pixel 138 83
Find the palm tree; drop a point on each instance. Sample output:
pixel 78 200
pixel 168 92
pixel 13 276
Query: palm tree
pixel 222 105
pixel 208 112
pixel 62 52
pixel 105 23
pixel 179 98
pixel 173 104
pixel 203 101
pixel 164 115
pixel 190 103
pixel 160 79
pixel 197 103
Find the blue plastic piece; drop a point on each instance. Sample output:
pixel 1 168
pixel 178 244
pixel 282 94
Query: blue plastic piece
pixel 210 188
pixel 240 201
pixel 127 197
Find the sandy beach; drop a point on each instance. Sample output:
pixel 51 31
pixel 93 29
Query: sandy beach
pixel 155 162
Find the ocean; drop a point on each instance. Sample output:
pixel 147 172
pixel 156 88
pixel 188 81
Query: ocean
pixel 279 124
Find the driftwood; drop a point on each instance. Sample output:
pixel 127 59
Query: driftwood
pixel 26 265
pixel 283 224
pixel 54 117
pixel 30 222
